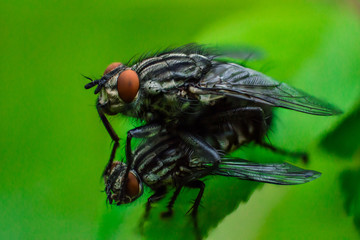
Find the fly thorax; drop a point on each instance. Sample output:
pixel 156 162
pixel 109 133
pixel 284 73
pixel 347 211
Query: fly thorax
pixel 152 87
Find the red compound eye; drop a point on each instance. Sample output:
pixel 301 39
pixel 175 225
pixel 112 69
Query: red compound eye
pixel 133 185
pixel 128 85
pixel 112 66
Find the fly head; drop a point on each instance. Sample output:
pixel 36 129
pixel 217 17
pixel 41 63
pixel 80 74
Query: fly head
pixel 117 87
pixel 115 178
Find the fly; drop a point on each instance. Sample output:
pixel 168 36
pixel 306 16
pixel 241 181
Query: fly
pixel 174 161
pixel 179 88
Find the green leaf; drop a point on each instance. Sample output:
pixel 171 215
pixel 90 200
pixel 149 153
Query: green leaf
pixel 344 140
pixel 349 180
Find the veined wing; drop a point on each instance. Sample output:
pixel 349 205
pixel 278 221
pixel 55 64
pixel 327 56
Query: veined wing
pixel 275 173
pixel 233 80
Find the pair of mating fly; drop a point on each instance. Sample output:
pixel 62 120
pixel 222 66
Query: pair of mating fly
pixel 197 109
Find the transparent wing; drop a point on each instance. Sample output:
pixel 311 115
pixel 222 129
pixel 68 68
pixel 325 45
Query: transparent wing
pixel 275 173
pixel 230 79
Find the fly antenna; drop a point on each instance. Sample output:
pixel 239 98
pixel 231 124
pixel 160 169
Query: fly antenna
pixel 100 84
pixel 88 78
pixel 91 84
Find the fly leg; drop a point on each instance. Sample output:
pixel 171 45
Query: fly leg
pixel 113 136
pixel 145 131
pixel 207 155
pixel 170 205
pixel 157 196
pixel 194 209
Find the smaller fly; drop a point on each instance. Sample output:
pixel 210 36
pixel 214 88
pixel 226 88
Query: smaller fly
pixel 174 161
pixel 167 161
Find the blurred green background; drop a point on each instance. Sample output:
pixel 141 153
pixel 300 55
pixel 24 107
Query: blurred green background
pixel 54 147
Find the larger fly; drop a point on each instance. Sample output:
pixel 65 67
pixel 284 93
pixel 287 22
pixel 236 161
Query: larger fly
pixel 178 88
